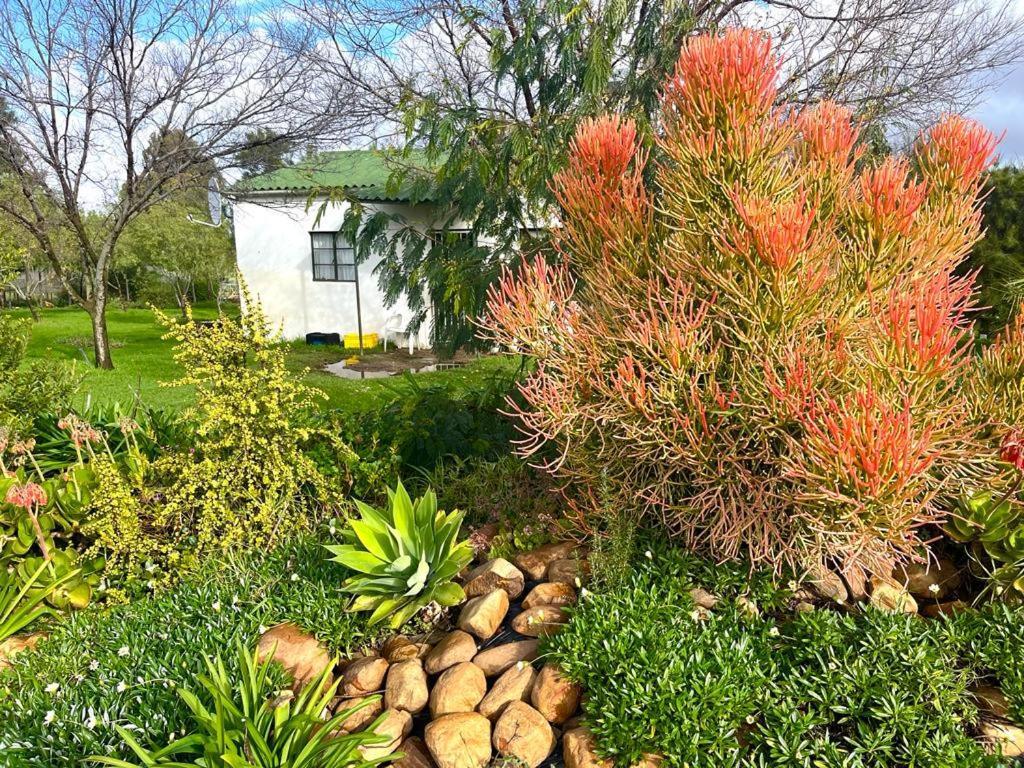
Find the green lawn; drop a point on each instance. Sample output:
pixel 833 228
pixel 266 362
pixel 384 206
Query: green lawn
pixel 142 360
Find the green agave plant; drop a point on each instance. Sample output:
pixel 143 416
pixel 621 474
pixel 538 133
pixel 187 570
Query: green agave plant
pixel 406 557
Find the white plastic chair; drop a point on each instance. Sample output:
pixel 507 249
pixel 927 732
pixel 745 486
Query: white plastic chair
pixel 393 325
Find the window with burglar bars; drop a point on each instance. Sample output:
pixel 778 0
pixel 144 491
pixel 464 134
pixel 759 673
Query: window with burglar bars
pixel 451 237
pixel 334 258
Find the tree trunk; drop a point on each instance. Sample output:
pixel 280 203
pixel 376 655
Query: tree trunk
pixel 100 340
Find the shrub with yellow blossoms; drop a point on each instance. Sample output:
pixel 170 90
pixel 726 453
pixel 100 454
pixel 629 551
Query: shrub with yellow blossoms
pixel 245 480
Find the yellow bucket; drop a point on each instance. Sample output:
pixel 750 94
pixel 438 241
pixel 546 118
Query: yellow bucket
pixel 352 340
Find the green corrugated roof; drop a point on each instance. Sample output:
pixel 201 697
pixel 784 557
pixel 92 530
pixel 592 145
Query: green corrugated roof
pixel 362 173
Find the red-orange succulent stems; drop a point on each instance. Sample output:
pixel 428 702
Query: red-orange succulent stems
pixel 874 448
pixel 772 356
pixel 927 322
pixel 828 135
pixel 955 153
pixel 608 214
pixel 890 196
pixel 723 81
pixel 529 308
pixel 777 232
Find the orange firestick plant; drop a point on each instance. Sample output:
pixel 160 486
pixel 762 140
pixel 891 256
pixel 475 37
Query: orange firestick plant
pixel 769 353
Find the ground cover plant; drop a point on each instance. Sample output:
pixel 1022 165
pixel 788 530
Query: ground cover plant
pixel 506 494
pixel 122 666
pixel 750 683
pixel 769 352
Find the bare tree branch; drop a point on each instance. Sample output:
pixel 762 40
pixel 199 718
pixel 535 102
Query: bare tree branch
pixel 97 87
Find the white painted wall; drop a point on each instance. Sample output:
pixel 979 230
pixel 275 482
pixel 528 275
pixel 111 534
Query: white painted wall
pixel 275 259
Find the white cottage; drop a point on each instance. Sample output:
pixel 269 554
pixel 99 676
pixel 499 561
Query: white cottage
pixel 302 269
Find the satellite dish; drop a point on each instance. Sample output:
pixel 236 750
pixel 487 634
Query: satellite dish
pixel 213 202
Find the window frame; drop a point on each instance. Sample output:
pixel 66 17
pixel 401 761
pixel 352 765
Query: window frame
pixel 463 233
pixel 339 245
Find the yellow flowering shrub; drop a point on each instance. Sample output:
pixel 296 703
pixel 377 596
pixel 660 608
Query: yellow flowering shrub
pixel 120 524
pixel 245 481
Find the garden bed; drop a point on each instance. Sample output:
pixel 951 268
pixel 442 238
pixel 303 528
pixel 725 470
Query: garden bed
pixel 707 665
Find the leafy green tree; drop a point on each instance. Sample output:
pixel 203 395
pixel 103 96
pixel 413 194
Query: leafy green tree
pixel 1000 254
pixel 264 152
pixel 165 247
pixel 488 165
pixel 492 91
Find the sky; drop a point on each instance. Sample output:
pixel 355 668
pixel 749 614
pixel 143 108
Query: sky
pixel 1002 110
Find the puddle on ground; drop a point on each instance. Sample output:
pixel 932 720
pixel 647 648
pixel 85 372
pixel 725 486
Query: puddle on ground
pixel 342 370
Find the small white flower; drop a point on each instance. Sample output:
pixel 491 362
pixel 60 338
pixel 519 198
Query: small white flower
pixel 295 577
pixel 649 555
pixel 774 631
pixel 90 722
pixel 94 665
pixel 578 582
pixel 262 629
pixel 123 651
pixel 122 687
pixel 52 688
pixel 933 588
pixel 50 717
pixel 216 606
pixel 584 592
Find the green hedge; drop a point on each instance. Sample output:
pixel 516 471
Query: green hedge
pixel 121 666
pixel 810 689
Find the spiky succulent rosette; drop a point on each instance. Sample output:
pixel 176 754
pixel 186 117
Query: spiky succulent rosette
pixel 405 557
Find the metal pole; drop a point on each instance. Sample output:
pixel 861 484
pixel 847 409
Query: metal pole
pixel 359 309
